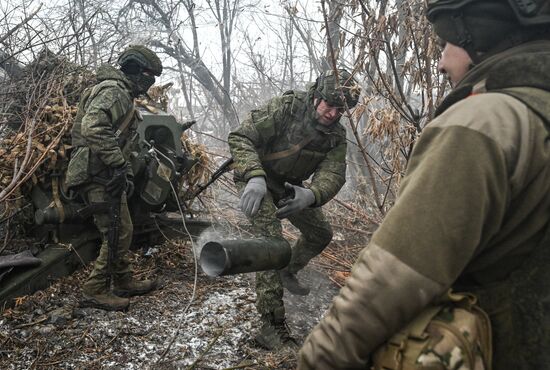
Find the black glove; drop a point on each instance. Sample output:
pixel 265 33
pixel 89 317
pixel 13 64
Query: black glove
pixel 302 199
pixel 118 183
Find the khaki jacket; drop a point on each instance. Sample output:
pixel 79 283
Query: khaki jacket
pixel 473 207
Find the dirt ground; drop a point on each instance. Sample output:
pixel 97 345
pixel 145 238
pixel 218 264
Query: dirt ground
pixel 50 330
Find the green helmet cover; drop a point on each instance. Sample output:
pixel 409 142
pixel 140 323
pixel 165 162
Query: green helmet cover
pixel 143 56
pixel 331 87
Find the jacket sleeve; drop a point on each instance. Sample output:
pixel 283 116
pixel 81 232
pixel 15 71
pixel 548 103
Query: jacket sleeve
pixel 253 135
pixel 451 203
pixel 97 125
pixel 381 294
pixel 330 175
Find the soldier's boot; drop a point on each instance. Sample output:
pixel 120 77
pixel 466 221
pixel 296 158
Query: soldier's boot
pixel 127 286
pixel 274 333
pixel 292 284
pixel 96 294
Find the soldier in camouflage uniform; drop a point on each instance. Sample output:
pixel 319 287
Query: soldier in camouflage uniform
pixel 473 208
pixel 275 149
pixel 103 136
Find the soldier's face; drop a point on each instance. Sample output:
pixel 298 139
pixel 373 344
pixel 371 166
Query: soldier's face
pixel 326 113
pixel 455 62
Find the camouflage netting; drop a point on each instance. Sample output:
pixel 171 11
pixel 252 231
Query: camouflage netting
pixel 36 114
pixel 199 174
pixel 37 110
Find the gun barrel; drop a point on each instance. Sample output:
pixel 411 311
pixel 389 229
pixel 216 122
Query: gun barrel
pixel 225 167
pixel 229 257
pixel 187 125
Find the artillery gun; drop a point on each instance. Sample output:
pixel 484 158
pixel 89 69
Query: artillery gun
pixel 63 222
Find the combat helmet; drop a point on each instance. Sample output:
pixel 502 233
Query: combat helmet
pixel 137 58
pixel 486 27
pixel 330 87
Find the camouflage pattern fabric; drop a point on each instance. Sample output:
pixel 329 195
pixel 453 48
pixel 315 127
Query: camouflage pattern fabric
pixel 333 92
pixel 316 234
pixel 96 151
pixel 446 337
pixel 454 342
pixel 100 111
pixel 97 280
pixel 281 124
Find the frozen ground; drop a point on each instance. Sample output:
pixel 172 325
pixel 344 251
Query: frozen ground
pixel 50 330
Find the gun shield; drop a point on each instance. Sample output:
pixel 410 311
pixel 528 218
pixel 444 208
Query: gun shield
pixel 229 257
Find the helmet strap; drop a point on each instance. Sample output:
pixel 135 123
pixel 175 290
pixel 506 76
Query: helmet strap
pixel 317 95
pixel 464 37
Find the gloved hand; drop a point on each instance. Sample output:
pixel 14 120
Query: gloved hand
pixel 302 199
pixel 118 182
pixel 252 196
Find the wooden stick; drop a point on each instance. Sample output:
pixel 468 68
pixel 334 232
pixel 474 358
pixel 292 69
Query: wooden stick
pixel 208 348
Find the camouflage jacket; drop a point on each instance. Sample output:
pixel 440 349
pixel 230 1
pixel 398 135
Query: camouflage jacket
pixel 282 123
pixel 101 111
pixel 471 214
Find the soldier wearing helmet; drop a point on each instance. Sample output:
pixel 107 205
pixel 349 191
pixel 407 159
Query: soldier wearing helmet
pixel 277 147
pixel 140 65
pixel 472 212
pixel 103 135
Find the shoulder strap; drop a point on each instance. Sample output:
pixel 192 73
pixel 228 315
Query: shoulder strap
pixel 292 150
pixel 125 122
pixel 129 114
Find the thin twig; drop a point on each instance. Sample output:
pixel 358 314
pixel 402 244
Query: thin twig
pixel 21 24
pixel 32 323
pixel 242 366
pixel 207 349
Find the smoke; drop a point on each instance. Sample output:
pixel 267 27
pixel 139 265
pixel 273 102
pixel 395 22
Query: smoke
pixel 211 234
pixel 212 264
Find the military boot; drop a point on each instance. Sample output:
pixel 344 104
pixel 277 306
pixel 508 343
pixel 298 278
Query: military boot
pixel 101 297
pixel 291 283
pixel 127 286
pixel 274 333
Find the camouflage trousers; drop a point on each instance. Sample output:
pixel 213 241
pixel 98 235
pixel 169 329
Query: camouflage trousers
pixel 97 281
pixel 316 234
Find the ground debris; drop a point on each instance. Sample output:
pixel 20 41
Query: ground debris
pixel 50 330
